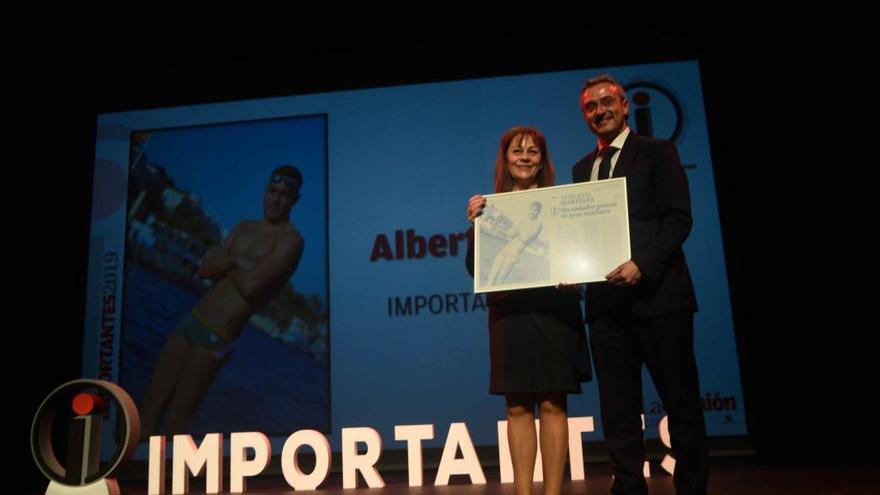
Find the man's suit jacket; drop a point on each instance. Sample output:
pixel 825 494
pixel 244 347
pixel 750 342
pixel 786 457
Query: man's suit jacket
pixel 659 222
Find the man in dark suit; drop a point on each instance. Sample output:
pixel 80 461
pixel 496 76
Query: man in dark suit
pixel 644 313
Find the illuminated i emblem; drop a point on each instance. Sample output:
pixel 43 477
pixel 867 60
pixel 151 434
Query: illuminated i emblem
pixel 82 410
pixel 656 111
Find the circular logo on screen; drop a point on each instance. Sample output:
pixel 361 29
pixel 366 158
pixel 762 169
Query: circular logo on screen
pixel 654 110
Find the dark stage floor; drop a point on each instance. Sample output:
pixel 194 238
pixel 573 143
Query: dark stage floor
pixel 749 476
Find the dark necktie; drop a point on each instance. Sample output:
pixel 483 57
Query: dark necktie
pixel 605 165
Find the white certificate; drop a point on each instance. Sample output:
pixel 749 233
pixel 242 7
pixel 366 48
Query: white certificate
pixel 543 237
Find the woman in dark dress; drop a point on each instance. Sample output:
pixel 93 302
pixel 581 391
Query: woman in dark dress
pixel 537 343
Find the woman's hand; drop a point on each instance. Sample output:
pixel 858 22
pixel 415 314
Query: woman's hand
pixel 475 207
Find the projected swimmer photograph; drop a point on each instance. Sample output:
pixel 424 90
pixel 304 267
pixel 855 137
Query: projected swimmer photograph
pixel 225 320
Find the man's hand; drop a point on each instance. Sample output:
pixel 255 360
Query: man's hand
pixel 215 263
pixel 627 274
pixel 244 263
